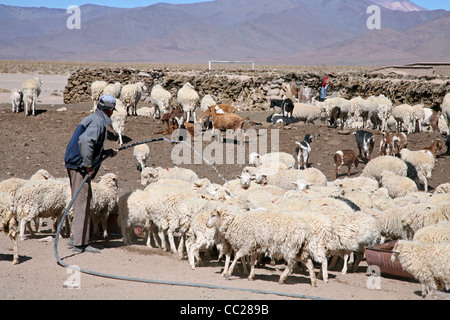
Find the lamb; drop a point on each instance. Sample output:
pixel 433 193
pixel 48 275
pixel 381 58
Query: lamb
pixel 160 98
pixel 280 236
pixel 375 167
pixel 422 162
pixel 113 90
pixel 306 112
pixel 403 114
pixel 16 99
pixel 434 233
pixel 42 199
pixel 146 112
pixel 272 158
pixel 142 155
pixel 97 88
pixel 229 121
pixel 31 90
pixel 303 151
pixel 150 175
pixel 445 107
pixel 131 95
pixel 104 201
pixel 345 157
pixel 366 142
pixel 188 99
pixel 428 263
pixel 9 222
pixel 119 120
pixel 397 186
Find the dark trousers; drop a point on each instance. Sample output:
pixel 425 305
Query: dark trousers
pixel 81 215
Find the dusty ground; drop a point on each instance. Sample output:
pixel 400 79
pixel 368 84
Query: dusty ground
pixel 30 144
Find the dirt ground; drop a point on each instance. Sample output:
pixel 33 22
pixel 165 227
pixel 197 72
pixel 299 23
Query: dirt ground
pixel 33 143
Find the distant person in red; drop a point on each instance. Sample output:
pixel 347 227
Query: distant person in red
pixel 323 92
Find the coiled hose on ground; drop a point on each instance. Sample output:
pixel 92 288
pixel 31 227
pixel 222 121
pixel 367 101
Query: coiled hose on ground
pixel 151 281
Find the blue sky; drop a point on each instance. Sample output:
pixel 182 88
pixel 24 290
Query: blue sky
pixel 430 4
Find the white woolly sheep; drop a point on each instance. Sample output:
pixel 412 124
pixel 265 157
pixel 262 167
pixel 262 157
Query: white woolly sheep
pixel 160 98
pixel 103 202
pixel 442 188
pixel 12 185
pixel 188 99
pixel 419 215
pixel 113 90
pixel 434 233
pixel 365 184
pixel 360 108
pixel 398 186
pixel 428 263
pixel 146 112
pixel 119 120
pixel 307 113
pixel 31 90
pixel 343 104
pixel 9 223
pixel 207 102
pixel 16 99
pixel 380 111
pixel 149 175
pixel 287 179
pixel 418 116
pixel 274 157
pixel 280 236
pixel 375 167
pixel 142 155
pixel 404 115
pixel 97 88
pixel 390 222
pixel 422 162
pixel 130 95
pixel 42 199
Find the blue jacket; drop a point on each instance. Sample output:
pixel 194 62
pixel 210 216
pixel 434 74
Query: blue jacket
pixel 85 149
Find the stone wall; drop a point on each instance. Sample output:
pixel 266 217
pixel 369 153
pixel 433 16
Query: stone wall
pixel 251 90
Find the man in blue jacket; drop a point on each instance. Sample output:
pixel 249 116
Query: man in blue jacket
pixel 83 155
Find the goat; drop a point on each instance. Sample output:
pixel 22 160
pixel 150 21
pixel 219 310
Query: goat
pixel 386 145
pixel 303 150
pixel 399 142
pixel 228 121
pixel 287 107
pixel 366 142
pixel 345 157
pixel 335 115
pixel 205 117
pixel 436 146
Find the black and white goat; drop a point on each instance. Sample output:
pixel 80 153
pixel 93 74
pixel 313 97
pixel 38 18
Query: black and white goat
pixel 303 150
pixel 366 142
pixel 287 107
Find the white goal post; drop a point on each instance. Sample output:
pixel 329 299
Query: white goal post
pixel 232 62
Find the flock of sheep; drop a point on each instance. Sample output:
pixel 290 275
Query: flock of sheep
pixel 272 209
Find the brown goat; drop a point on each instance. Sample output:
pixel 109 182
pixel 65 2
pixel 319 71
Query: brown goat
pixel 345 158
pixel 229 121
pixel 386 145
pixel 399 142
pixel 206 116
pixel 436 146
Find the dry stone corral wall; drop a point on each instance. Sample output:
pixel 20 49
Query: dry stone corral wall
pixel 251 90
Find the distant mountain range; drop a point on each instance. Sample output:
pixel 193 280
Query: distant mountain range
pixel 302 32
